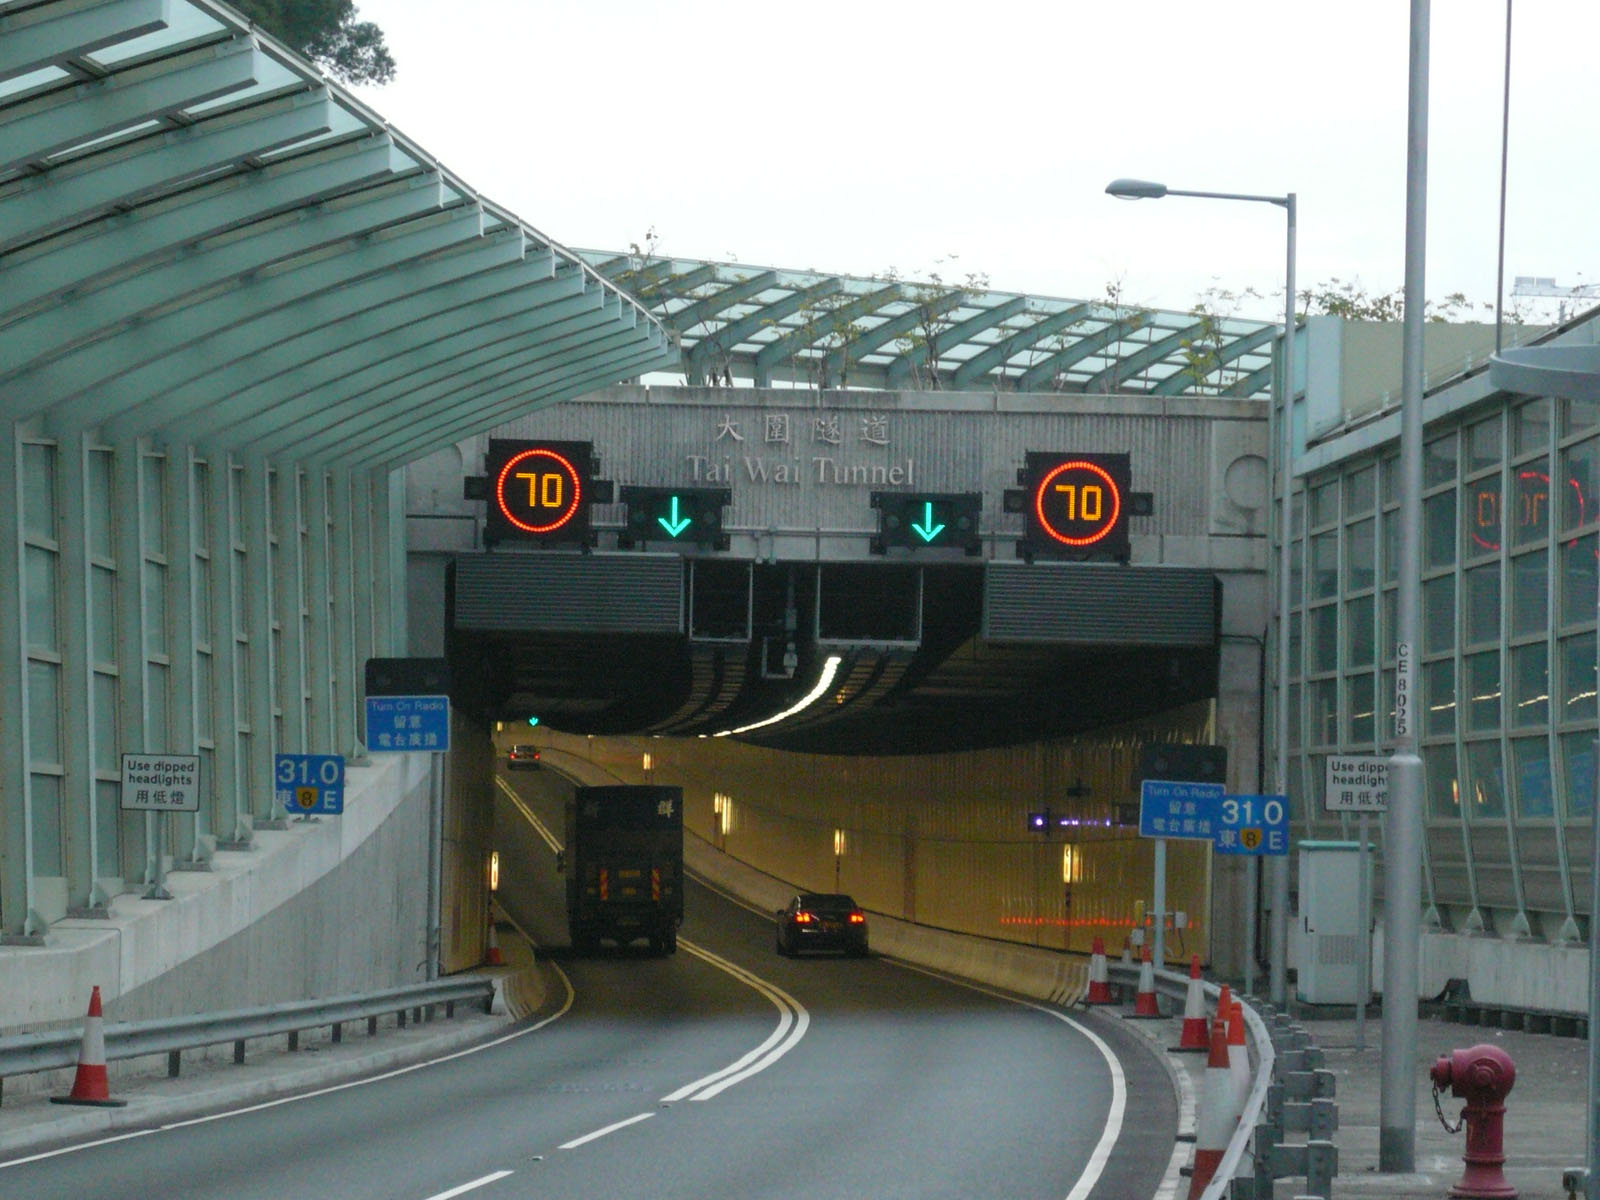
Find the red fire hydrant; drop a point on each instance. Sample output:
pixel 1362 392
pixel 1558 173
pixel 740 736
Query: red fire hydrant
pixel 1482 1076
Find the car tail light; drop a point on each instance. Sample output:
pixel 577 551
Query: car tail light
pixel 803 918
pixel 858 917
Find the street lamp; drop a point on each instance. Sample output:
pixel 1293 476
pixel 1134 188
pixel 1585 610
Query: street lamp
pixel 1280 438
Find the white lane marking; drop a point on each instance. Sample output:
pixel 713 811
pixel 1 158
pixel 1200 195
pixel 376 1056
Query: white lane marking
pixel 600 1133
pixel 1168 1189
pixel 793 1021
pixel 1101 1154
pixel 539 826
pixel 337 1087
pixel 467 1187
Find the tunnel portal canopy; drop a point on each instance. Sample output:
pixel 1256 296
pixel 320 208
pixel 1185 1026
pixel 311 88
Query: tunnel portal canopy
pixel 734 322
pixel 203 241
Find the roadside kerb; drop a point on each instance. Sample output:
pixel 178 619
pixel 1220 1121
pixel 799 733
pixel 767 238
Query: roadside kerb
pixel 22 1054
pixel 1288 1091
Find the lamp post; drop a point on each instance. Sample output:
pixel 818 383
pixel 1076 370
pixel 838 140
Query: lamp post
pixel 1280 436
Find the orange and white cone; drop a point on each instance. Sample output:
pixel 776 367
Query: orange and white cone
pixel 90 1086
pixel 1127 950
pixel 1195 1037
pixel 1238 1058
pixel 1217 1114
pixel 1099 977
pixel 491 956
pixel 1144 1000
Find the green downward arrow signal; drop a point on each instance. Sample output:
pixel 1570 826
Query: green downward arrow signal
pixel 927 531
pixel 677 525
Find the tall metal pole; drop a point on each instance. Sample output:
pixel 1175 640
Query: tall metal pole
pixel 1592 1179
pixel 1279 968
pixel 1402 917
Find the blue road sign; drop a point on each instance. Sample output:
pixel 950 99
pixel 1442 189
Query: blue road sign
pixel 309 783
pixel 1170 808
pixel 398 724
pixel 1252 825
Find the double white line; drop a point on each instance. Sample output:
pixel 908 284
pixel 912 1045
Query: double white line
pixel 793 1021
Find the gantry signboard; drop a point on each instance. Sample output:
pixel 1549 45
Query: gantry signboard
pixel 928 521
pixel 539 491
pixel 687 516
pixel 1077 505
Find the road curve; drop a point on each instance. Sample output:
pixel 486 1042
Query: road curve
pixel 721 1071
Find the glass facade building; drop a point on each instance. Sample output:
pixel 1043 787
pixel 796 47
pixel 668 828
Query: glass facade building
pixel 1507 664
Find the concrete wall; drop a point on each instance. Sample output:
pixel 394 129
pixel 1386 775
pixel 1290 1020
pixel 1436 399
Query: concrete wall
pixel 317 909
pixel 937 840
pixel 1514 973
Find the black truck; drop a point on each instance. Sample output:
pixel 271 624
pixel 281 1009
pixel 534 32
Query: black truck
pixel 624 865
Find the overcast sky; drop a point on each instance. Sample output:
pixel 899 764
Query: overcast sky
pixel 979 137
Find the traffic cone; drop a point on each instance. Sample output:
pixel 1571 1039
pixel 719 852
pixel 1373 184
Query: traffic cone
pixel 1099 978
pixel 1144 1000
pixel 1127 950
pixel 1217 1115
pixel 492 955
pixel 1195 1036
pixel 1238 1058
pixel 90 1085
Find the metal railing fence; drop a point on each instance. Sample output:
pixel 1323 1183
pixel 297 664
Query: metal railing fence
pixel 26 1053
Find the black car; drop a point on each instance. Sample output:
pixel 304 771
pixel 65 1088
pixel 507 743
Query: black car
pixel 523 758
pixel 822 921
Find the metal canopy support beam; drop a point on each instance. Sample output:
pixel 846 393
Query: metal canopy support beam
pixel 340 424
pixel 28 46
pixel 900 369
pixel 290 402
pixel 118 103
pixel 17 917
pixel 513 400
pixel 1003 351
pixel 256 517
pixel 711 307
pixel 1075 352
pixel 131 534
pixel 138 238
pixel 376 394
pixel 342 580
pixel 827 322
pixel 81 316
pixel 1131 367
pixel 905 325
pixel 47 202
pixel 1230 350
pixel 87 388
pixel 731 334
pixel 456 402
pixel 271 375
pixel 289 517
pixel 259 348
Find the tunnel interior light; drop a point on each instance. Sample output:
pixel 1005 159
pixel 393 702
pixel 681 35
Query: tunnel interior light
pixel 494 870
pixel 838 842
pixel 830 668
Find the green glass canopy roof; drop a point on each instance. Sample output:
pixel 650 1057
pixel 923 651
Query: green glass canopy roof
pixel 203 240
pixel 735 323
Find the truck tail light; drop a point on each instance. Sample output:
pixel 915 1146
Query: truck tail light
pixel 802 917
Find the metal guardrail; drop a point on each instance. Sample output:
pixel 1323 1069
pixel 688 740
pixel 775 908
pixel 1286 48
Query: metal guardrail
pixel 1288 1091
pixel 23 1054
